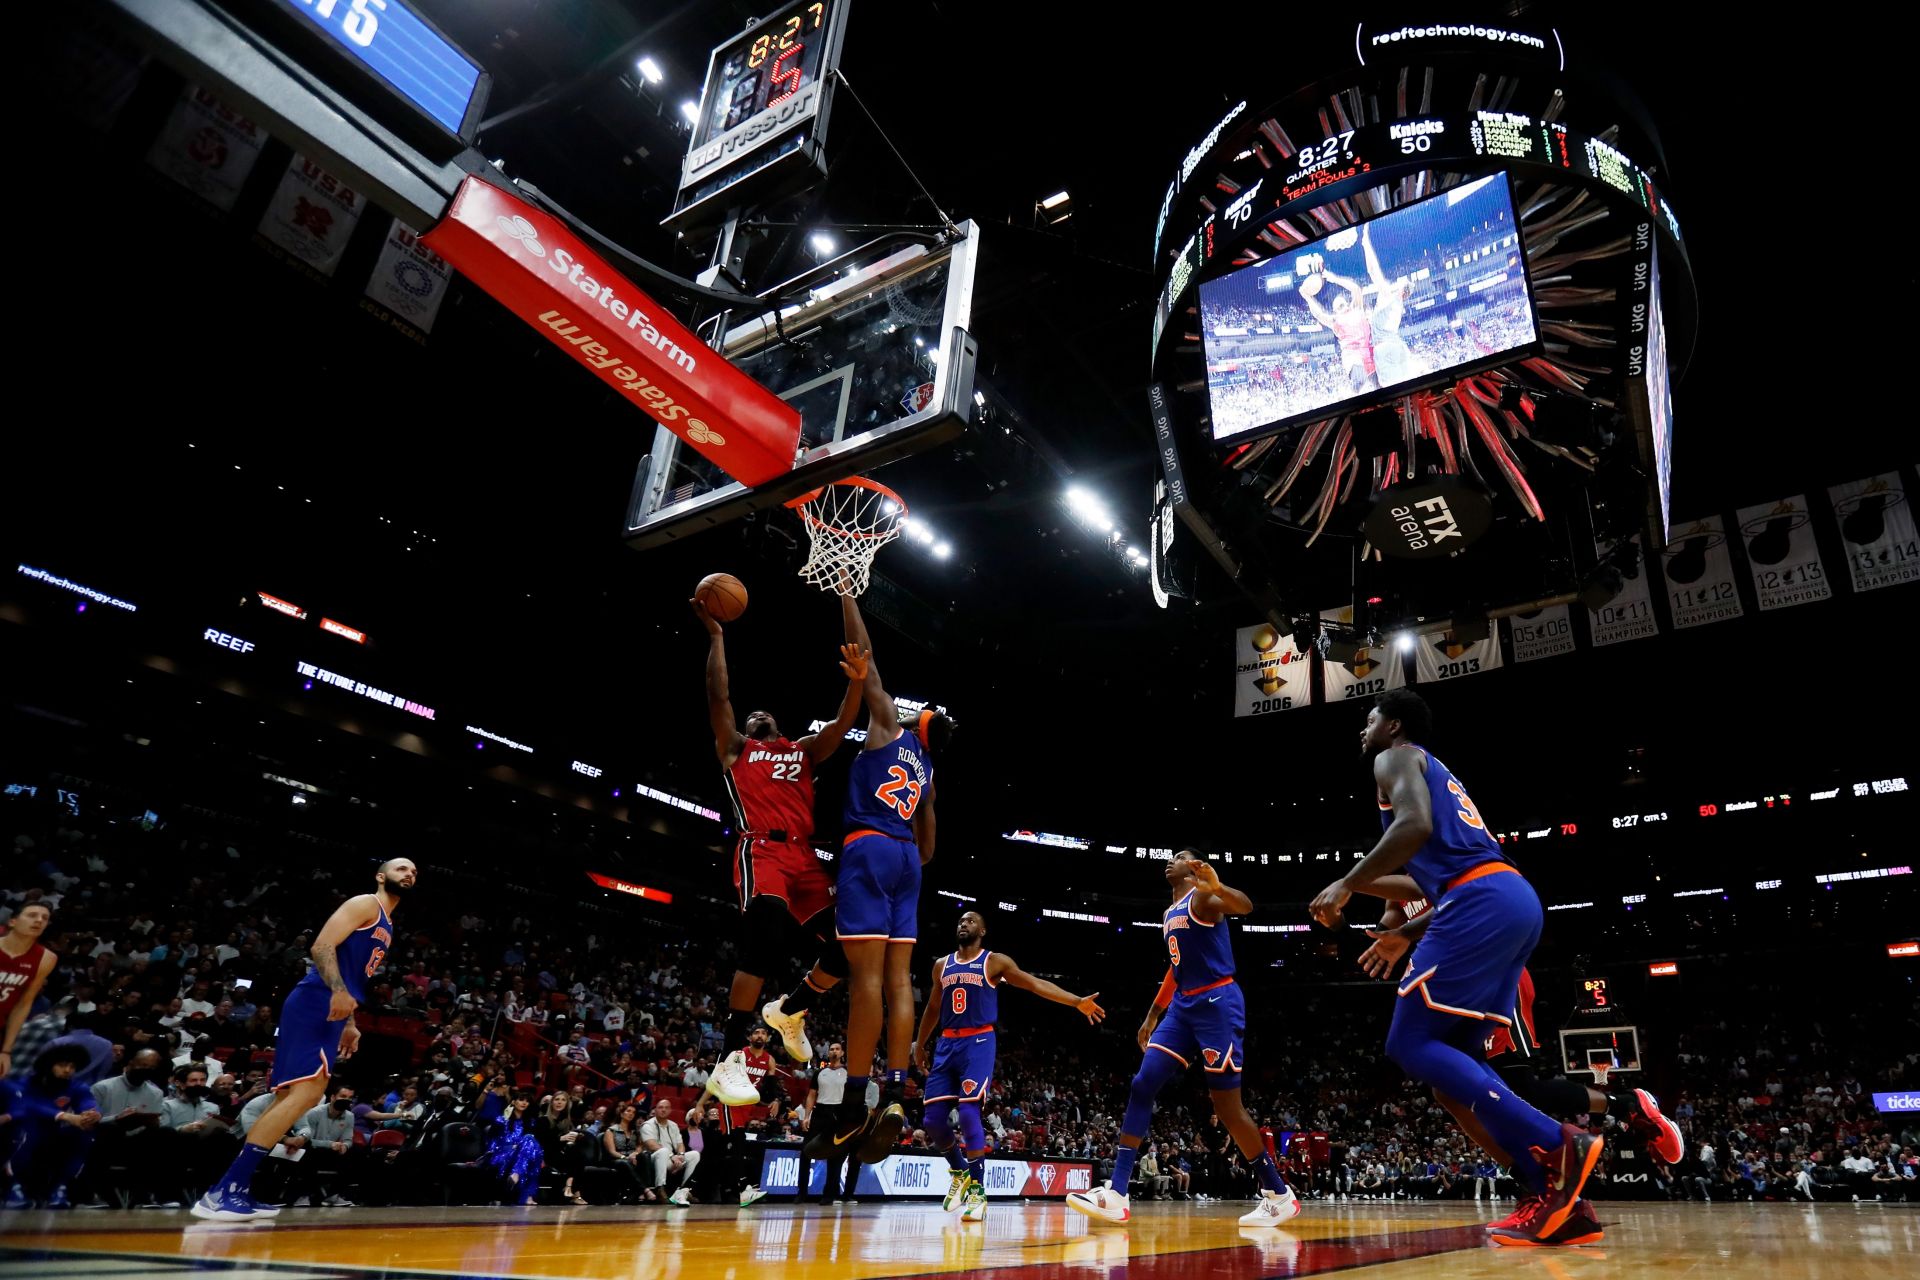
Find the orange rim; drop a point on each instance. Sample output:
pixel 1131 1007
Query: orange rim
pixel 799 504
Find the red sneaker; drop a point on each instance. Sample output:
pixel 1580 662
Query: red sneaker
pixel 1665 1141
pixel 1522 1212
pixel 1580 1228
pixel 1568 1167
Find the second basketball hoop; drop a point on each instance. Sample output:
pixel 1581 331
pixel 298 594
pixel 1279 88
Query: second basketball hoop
pixel 847 523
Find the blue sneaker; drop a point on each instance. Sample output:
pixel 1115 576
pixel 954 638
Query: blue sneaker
pixel 18 1199
pixel 58 1200
pixel 223 1204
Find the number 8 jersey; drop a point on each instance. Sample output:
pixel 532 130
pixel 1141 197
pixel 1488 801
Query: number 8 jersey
pixel 884 787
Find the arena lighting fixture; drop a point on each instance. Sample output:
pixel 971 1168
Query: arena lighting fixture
pixel 823 243
pixel 1403 642
pixel 691 110
pixel 943 550
pixel 1054 201
pixel 651 70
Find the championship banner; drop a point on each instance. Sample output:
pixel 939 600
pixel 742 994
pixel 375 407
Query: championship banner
pixel 918 1175
pixel 1876 525
pixel 1269 674
pixel 409 279
pixel 1781 552
pixel 1437 656
pixel 1629 615
pixel 1544 633
pixel 1699 572
pixel 1371 672
pixel 312 215
pixel 207 147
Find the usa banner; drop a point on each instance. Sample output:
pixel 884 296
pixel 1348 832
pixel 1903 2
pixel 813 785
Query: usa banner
pixel 409 280
pixel 1544 633
pixel 1269 674
pixel 1781 552
pixel 1629 615
pixel 1699 572
pixel 1876 525
pixel 312 215
pixel 207 147
pixel 1438 656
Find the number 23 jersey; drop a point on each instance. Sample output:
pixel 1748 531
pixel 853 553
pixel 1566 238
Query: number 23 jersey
pixel 885 786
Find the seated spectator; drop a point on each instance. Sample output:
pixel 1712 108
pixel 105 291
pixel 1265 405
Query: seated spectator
pixel 131 1135
pixel 48 1120
pixel 331 1160
pixel 667 1149
pixel 562 1144
pixel 621 1142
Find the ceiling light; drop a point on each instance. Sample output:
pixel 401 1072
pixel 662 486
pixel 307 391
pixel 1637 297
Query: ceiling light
pixel 1403 642
pixel 943 550
pixel 691 110
pixel 651 70
pixel 1054 201
pixel 823 243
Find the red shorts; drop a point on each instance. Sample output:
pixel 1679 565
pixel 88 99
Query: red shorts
pixel 1502 1040
pixel 790 872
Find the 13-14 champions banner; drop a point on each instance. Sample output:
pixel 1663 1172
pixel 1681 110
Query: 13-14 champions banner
pixel 1269 674
pixel 918 1175
pixel 1876 527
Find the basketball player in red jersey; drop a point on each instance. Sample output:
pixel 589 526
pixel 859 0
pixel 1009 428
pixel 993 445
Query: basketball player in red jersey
pixel 24 966
pixel 757 1063
pixel 779 878
pixel 1351 323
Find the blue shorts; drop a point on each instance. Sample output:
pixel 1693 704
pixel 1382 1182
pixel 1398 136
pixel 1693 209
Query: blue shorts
pixel 962 1068
pixel 306 1043
pixel 1467 966
pixel 1210 1027
pixel 879 895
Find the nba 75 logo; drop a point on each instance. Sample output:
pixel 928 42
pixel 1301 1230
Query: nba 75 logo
pixel 1045 1174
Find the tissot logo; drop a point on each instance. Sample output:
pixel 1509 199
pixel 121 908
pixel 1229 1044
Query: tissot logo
pixel 743 137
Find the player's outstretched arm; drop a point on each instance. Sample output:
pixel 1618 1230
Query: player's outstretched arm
pixel 1394 888
pixel 353 915
pixel 1401 778
pixel 1001 968
pixel 883 725
pixel 1351 286
pixel 727 738
pixel 853 662
pixel 1373 259
pixel 1211 898
pixel 929 1017
pixel 1391 944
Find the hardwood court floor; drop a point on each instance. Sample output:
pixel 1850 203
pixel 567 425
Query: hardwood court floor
pixel 1017 1242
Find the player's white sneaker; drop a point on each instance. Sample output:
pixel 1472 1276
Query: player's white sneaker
pixel 792 1028
pixel 752 1195
pixel 976 1210
pixel 956 1189
pixel 730 1082
pixel 1103 1203
pixel 1272 1209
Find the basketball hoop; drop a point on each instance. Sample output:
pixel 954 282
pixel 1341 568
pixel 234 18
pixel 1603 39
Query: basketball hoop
pixel 1600 1070
pixel 847 523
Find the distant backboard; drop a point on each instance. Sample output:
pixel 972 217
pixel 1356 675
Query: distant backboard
pixel 1615 1048
pixel 872 349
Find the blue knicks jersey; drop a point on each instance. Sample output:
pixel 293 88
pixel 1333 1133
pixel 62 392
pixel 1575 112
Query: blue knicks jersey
pixel 884 787
pixel 1459 842
pixel 358 957
pixel 1201 954
pixel 968 998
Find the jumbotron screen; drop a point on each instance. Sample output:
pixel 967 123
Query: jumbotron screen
pixel 1418 296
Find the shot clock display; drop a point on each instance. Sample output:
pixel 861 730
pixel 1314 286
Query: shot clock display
pixel 764 105
pixel 1593 996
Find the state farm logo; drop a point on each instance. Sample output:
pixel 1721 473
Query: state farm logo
pixel 1045 1174
pixel 700 433
pixel 518 228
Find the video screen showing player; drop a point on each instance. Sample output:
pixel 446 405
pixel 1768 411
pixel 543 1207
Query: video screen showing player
pixel 1426 292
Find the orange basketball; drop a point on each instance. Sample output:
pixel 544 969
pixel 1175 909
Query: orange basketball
pixel 724 595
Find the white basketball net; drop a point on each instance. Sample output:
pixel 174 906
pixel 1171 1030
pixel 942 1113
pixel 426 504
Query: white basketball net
pixel 847 523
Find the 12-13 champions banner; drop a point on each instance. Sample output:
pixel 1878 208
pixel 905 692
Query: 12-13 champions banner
pixel 921 1175
pixel 1437 656
pixel 1876 527
pixel 1269 674
pixel 1782 554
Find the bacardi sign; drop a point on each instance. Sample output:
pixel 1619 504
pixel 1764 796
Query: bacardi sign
pixel 544 274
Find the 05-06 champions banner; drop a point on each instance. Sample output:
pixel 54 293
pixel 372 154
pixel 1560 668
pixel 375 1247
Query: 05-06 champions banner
pixel 918 1175
pixel 1269 674
pixel 1876 526
pixel 1544 633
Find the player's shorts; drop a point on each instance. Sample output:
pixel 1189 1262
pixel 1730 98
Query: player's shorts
pixel 1519 1039
pixel 1468 964
pixel 879 892
pixel 962 1067
pixel 306 1044
pixel 790 872
pixel 1208 1027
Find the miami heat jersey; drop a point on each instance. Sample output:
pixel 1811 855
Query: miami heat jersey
pixel 758 1063
pixel 17 974
pixel 968 998
pixel 1201 953
pixel 1459 842
pixel 358 957
pixel 884 787
pixel 771 786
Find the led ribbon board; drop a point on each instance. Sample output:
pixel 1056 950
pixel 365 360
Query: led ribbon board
pixel 544 274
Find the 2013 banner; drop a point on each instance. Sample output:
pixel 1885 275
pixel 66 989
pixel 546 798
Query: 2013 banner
pixel 1438 656
pixel 1269 674
pixel 1876 524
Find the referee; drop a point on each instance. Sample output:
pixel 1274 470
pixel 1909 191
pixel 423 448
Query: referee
pixel 825 1102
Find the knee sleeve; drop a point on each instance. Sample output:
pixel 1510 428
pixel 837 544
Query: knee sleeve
pixel 763 927
pixel 1157 1069
pixel 973 1134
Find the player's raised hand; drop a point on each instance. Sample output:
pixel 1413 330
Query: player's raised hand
pixel 853 661
pixel 1329 903
pixel 1093 1012
pixel 1205 878
pixel 707 620
pixel 1388 949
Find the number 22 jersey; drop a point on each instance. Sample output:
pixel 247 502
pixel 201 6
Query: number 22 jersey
pixel 884 787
